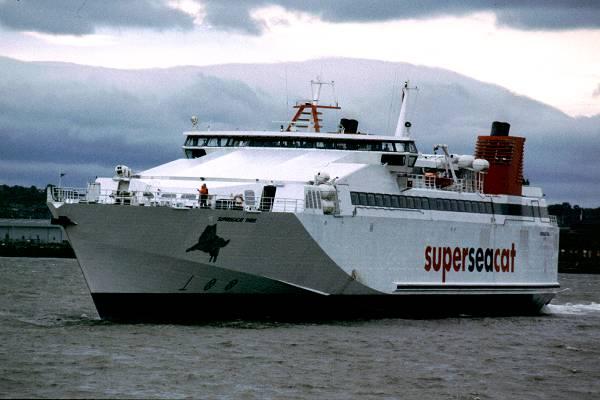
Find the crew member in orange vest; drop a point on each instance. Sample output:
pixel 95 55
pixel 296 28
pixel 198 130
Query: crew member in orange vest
pixel 203 195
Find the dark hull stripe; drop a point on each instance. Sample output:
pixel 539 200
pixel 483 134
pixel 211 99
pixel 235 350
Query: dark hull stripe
pixel 477 287
pixel 191 307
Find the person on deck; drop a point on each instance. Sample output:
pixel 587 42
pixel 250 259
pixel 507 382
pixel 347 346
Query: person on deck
pixel 203 196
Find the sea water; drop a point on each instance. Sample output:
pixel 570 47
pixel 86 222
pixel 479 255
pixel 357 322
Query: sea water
pixel 52 344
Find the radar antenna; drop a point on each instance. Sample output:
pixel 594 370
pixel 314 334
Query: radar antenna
pixel 195 121
pixel 308 113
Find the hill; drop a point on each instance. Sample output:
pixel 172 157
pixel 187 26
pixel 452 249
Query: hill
pixel 84 120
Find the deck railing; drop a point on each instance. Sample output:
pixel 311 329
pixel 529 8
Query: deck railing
pixel 160 198
pixel 471 184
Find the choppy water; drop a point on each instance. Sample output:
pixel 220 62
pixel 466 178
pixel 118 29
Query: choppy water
pixel 52 344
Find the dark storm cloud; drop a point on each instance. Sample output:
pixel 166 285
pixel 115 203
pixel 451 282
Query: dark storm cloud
pixel 232 15
pixel 79 17
pixel 527 15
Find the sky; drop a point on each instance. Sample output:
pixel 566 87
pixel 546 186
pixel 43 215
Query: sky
pixel 548 50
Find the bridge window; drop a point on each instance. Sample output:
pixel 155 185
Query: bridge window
pixel 340 145
pixel 360 146
pixel 375 146
pixel 393 159
pixel 305 143
pixel 195 153
pixel 387 146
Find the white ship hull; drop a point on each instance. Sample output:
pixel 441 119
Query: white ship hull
pixel 152 263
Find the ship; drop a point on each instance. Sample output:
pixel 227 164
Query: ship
pixel 301 222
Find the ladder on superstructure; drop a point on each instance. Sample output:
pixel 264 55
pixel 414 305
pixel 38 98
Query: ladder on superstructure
pixel 309 111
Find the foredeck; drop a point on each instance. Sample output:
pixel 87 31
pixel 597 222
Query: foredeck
pixel 173 199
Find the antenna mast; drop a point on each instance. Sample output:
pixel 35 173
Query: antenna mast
pixel 404 125
pixel 308 113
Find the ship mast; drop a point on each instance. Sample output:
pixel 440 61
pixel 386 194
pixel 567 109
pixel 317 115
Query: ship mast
pixel 308 111
pixel 403 126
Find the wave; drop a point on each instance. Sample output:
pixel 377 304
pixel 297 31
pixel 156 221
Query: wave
pixel 572 309
pixel 49 320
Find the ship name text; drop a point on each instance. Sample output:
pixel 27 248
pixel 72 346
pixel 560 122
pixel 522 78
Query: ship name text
pixel 232 219
pixel 469 259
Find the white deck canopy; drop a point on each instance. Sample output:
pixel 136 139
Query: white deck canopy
pixel 251 164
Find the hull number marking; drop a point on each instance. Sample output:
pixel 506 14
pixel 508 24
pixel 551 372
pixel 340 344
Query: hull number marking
pixel 231 284
pixel 210 284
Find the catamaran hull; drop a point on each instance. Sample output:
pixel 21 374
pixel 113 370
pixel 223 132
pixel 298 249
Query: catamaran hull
pixel 161 263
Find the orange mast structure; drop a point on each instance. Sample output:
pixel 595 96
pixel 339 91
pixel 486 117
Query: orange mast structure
pixel 309 111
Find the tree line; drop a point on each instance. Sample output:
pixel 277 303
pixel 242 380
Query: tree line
pixel 23 202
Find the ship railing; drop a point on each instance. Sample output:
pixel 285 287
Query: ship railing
pixel 426 181
pixel 66 194
pixel 160 198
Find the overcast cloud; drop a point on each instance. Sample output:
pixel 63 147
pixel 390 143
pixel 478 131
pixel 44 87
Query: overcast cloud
pixel 78 17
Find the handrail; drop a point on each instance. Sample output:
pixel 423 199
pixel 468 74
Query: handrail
pixel 182 200
pixel 471 185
